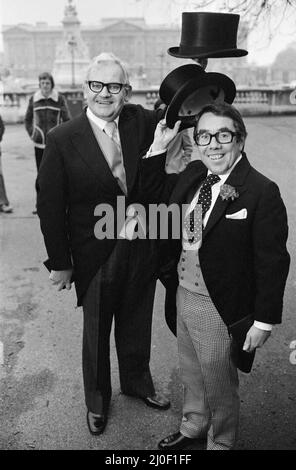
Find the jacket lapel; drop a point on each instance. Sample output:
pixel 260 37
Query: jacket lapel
pixel 218 210
pixel 187 186
pixel 188 183
pixel 236 179
pixel 86 144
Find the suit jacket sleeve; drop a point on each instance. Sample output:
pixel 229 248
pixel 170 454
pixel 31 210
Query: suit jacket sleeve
pixel 271 259
pixel 29 117
pixel 2 128
pixel 52 204
pixel 147 121
pixel 155 185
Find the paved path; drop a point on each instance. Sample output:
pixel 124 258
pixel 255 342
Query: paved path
pixel 42 404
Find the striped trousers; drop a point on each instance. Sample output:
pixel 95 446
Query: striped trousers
pixel 210 379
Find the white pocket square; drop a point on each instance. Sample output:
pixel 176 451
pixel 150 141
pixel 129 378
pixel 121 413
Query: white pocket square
pixel 242 214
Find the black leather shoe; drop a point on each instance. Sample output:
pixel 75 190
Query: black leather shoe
pixel 157 401
pixel 175 441
pixel 96 423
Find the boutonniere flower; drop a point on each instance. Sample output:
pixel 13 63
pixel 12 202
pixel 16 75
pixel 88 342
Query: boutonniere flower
pixel 228 192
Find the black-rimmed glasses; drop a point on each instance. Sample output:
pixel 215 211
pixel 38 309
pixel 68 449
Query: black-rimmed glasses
pixel 222 137
pixel 113 88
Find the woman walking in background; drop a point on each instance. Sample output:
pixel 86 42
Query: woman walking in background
pixel 4 203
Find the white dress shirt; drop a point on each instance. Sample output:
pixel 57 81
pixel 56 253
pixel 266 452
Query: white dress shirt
pixel 98 121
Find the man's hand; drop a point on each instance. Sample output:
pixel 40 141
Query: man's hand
pixel 164 135
pixel 61 278
pixel 255 338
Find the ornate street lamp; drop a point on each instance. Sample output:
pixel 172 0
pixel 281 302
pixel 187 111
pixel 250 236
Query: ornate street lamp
pixel 73 44
pixel 162 57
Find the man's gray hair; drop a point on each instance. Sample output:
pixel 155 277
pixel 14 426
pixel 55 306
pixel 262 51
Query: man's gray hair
pixel 109 57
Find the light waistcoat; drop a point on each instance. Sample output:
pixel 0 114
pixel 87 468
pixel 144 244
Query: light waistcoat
pixel 189 272
pixel 190 275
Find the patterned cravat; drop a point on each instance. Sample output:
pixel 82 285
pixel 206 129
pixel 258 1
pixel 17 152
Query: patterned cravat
pixel 117 166
pixel 193 222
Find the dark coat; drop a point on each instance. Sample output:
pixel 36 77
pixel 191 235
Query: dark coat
pixel 43 114
pixel 2 128
pixel 74 178
pixel 244 262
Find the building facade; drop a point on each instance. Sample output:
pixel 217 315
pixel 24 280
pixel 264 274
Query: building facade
pixel 30 49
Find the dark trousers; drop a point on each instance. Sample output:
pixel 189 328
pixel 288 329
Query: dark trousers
pixel 3 195
pixel 123 289
pixel 38 156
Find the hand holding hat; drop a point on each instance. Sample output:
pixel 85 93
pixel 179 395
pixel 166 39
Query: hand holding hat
pixel 163 135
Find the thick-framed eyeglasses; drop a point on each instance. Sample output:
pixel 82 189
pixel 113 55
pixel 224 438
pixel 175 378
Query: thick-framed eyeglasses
pixel 113 88
pixel 222 137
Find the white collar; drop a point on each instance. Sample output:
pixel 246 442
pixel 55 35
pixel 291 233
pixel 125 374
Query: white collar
pixel 224 177
pixel 101 123
pixel 53 95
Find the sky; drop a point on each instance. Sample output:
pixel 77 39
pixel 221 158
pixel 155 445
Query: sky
pixel 262 49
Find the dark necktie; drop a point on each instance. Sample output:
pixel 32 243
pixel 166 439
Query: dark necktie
pixel 193 223
pixel 205 193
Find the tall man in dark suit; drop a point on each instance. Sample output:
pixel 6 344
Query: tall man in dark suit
pixel 89 161
pixel 231 265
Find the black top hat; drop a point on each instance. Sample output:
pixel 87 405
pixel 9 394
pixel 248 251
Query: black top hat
pixel 207 34
pixel 187 88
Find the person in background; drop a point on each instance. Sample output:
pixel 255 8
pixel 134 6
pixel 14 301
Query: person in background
pixel 180 148
pixel 47 108
pixel 4 203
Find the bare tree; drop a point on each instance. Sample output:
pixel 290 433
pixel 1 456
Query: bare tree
pixel 271 12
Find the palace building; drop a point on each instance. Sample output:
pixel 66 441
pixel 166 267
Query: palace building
pixel 31 49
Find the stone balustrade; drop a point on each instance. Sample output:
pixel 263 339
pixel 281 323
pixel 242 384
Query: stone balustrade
pixel 250 101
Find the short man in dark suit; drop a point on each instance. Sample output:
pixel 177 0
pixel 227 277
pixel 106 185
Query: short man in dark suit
pixel 90 161
pixel 230 266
